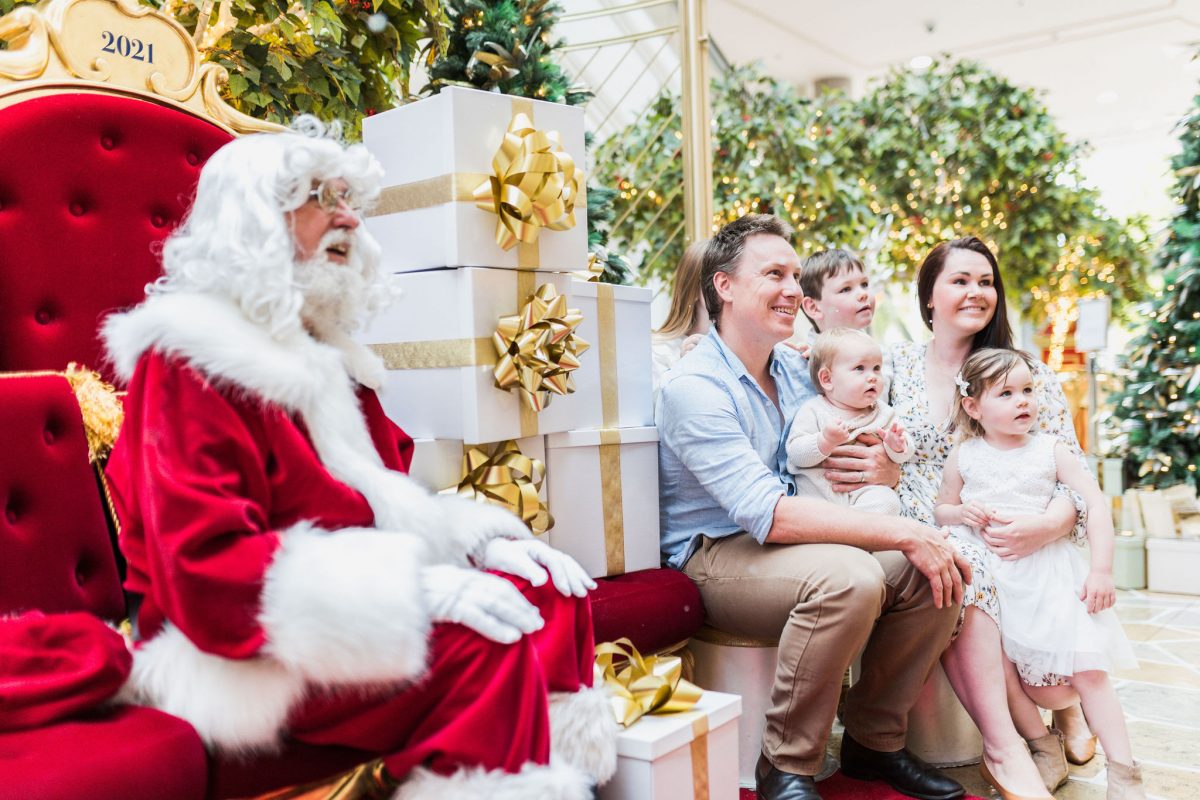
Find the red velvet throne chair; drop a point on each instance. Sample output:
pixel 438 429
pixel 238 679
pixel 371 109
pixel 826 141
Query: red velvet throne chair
pixel 100 156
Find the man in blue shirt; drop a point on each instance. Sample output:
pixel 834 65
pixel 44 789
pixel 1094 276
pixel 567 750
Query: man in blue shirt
pixel 827 581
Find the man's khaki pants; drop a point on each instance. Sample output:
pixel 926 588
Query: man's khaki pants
pixel 826 603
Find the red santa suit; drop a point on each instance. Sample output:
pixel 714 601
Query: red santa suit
pixel 277 547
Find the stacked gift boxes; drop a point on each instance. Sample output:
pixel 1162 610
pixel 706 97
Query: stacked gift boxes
pixel 500 337
pixel 524 381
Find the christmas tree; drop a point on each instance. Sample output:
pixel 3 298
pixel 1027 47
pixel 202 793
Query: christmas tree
pixel 504 46
pixel 1159 408
pixel 507 46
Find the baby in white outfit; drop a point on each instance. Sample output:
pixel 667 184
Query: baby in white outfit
pixel 846 366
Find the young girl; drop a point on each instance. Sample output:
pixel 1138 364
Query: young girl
pixel 1055 609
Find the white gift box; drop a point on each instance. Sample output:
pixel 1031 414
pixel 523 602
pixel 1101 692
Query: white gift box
pixel 604 498
pixel 437 464
pixel 436 342
pixel 1173 565
pixel 615 379
pixel 691 754
pixel 434 152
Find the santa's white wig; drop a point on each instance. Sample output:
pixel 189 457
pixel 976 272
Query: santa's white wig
pixel 236 243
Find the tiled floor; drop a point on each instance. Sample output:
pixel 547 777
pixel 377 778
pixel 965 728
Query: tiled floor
pixel 1161 700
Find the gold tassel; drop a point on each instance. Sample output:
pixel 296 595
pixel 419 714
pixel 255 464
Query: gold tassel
pixel 101 409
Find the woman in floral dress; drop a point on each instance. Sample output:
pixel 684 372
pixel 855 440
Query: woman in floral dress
pixel 963 304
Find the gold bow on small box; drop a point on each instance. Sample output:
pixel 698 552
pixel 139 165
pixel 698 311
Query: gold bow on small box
pixel 508 478
pixel 538 348
pixel 642 685
pixel 534 184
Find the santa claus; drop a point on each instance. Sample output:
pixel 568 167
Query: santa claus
pixel 289 580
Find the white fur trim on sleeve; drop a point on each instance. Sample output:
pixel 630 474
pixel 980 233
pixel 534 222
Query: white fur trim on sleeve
pixel 346 607
pixel 236 705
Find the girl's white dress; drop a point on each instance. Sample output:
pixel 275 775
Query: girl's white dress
pixel 1044 626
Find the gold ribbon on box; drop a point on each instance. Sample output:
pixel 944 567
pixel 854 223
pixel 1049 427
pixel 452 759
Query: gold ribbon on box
pixel 640 685
pixel 534 184
pixel 537 349
pixel 508 478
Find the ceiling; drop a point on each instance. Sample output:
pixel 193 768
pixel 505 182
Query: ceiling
pixel 1118 73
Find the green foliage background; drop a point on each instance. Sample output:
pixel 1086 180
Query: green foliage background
pixel 923 156
pixel 337 59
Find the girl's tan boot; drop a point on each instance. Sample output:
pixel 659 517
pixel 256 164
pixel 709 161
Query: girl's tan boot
pixel 1125 781
pixel 1050 759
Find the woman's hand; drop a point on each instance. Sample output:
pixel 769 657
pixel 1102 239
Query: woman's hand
pixel 862 462
pixel 689 343
pixel 1012 537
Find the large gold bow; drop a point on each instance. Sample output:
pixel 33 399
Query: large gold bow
pixel 534 184
pixel 538 349
pixel 508 478
pixel 652 685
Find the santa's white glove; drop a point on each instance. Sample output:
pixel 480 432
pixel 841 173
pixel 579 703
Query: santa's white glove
pixel 483 520
pixel 532 559
pixel 487 604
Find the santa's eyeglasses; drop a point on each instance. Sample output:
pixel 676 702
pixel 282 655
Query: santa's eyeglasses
pixel 329 196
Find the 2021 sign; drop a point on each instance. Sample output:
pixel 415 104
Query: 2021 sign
pixel 126 47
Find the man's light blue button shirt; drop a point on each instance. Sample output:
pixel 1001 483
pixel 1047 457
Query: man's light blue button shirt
pixel 722 458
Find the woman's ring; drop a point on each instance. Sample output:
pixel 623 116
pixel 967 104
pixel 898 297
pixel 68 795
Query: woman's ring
pixel 862 477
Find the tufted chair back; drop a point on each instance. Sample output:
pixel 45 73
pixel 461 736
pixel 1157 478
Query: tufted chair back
pixel 57 555
pixel 89 185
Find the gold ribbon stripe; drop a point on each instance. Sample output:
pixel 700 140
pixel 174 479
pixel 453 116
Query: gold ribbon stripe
pixel 437 354
pixel 606 320
pixel 525 287
pixel 612 503
pixel 700 757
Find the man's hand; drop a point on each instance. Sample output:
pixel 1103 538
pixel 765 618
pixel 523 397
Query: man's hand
pixel 487 604
pixel 1012 537
pixel 975 514
pixel 1099 592
pixel 930 551
pixel 850 466
pixel 531 559
pixel 834 433
pixel 894 438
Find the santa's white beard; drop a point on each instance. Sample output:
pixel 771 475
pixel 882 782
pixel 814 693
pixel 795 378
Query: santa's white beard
pixel 336 296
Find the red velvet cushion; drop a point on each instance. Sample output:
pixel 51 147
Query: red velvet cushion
pixel 98 181
pixel 119 754
pixel 655 608
pixel 55 551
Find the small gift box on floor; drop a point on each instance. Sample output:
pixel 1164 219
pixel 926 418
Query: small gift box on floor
pixel 481 355
pixel 604 498
pixel 480 179
pixel 614 380
pixel 1173 565
pixel 689 754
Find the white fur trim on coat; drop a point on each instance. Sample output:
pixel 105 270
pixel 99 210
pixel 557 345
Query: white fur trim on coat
pixel 313 379
pixel 346 608
pixel 583 732
pixel 556 782
pixel 236 705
